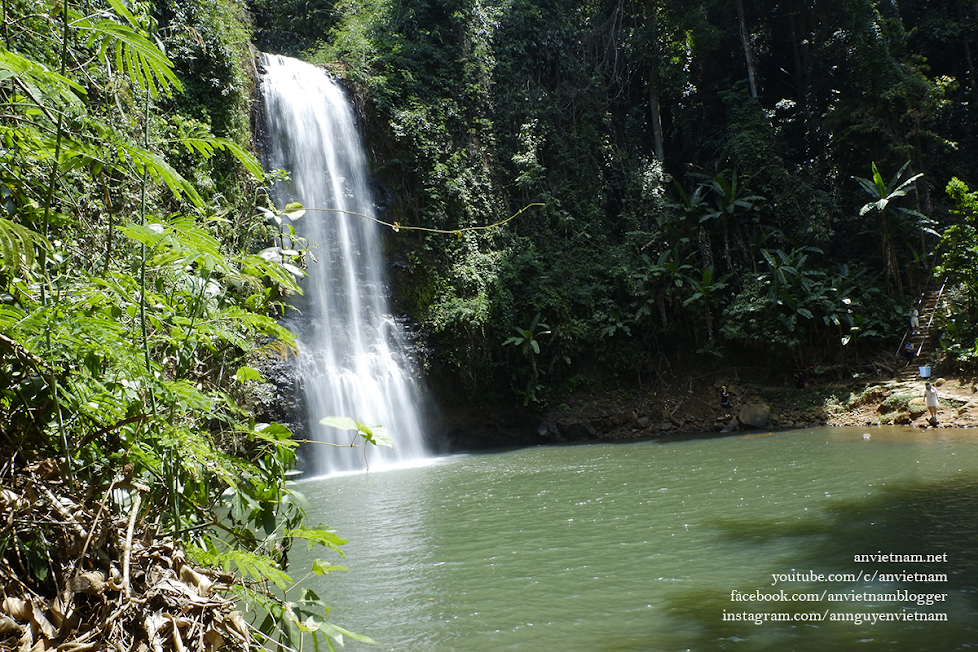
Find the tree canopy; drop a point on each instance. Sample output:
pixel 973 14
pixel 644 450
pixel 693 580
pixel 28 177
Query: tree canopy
pixel 701 167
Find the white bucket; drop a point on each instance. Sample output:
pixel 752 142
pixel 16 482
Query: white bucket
pixel 924 372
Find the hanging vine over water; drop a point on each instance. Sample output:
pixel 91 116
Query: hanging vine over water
pixel 397 227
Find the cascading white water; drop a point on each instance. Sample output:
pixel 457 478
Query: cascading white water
pixel 351 356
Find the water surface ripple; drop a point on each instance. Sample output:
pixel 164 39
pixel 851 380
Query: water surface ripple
pixel 638 546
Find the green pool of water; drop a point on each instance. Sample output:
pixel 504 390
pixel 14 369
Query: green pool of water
pixel 641 546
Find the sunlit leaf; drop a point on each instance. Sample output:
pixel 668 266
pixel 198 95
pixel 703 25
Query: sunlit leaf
pixel 322 567
pixel 341 423
pixel 244 374
pixel 376 434
pixel 294 210
pixel 206 146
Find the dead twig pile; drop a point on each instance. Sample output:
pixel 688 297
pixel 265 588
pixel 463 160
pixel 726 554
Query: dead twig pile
pixel 82 573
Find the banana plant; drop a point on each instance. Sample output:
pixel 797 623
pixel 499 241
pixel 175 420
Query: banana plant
pixel 730 205
pixel 660 280
pixel 528 341
pixel 704 288
pixel 883 194
pixel 692 208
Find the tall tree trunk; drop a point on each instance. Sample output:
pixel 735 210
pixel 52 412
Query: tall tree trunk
pixel 748 54
pixel 706 248
pixel 655 114
pixel 796 51
pixel 891 267
pixel 655 109
pixel 726 248
pixel 709 324
pixel 968 59
pixel 970 62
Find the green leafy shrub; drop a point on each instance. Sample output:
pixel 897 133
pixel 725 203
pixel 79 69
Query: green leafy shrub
pixel 130 306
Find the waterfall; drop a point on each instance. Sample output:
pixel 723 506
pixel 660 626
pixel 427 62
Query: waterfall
pixel 351 352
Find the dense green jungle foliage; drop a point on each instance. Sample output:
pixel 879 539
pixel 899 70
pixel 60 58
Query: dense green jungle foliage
pixel 719 178
pixel 767 183
pixel 136 289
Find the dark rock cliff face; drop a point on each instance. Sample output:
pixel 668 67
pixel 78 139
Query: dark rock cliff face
pixel 258 118
pixel 465 428
pixel 279 398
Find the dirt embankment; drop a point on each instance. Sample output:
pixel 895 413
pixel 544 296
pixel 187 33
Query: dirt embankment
pixel 694 406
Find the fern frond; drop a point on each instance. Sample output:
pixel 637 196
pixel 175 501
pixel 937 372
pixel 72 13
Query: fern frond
pixel 255 566
pixel 142 61
pixel 277 349
pixel 257 323
pixel 40 80
pixel 202 248
pixel 17 246
pixel 10 316
pixel 206 147
pixel 159 170
pixel 318 536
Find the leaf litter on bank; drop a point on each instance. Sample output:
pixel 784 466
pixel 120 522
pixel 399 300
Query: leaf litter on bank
pixel 81 573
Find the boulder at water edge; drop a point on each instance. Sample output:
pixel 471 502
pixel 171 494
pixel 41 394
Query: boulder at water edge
pixel 917 408
pixel 755 415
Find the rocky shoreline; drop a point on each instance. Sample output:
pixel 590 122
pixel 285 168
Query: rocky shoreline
pixel 691 407
pixel 671 406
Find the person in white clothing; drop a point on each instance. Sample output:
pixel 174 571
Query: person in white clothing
pixel 930 398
